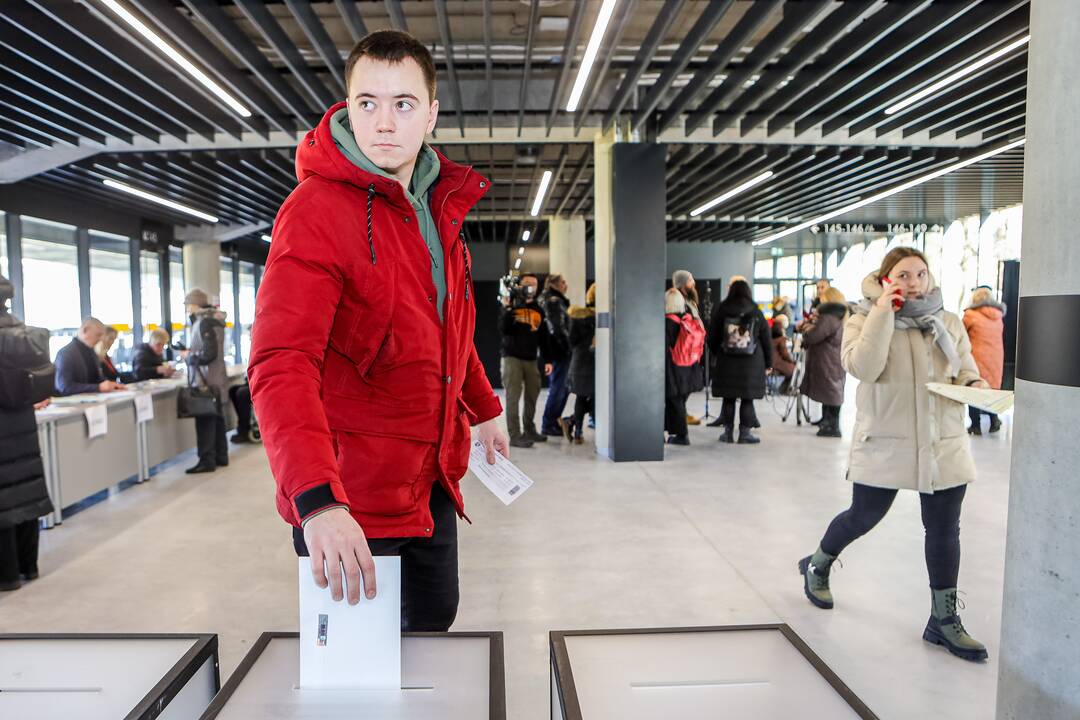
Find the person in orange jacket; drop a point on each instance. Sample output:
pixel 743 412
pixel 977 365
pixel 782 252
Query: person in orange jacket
pixel 986 329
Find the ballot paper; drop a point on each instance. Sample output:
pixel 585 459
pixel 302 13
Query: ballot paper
pixel 97 420
pixel 503 478
pixel 351 647
pixel 991 401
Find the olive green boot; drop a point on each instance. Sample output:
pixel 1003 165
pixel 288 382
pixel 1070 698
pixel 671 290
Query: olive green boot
pixel 815 571
pixel 944 627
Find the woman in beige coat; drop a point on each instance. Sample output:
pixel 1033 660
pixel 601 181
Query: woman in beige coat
pixel 898 340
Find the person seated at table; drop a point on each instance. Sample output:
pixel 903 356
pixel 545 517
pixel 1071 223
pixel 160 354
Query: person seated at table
pixel 148 363
pixel 108 367
pixel 78 369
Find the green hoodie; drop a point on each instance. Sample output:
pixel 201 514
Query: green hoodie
pixel 425 174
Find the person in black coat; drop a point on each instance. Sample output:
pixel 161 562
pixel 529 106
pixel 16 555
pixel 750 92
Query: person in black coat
pixel 582 366
pixel 24 496
pixel 148 362
pixel 556 306
pixel 739 339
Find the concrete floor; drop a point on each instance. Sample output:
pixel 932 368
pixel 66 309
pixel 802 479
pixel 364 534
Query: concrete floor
pixel 711 536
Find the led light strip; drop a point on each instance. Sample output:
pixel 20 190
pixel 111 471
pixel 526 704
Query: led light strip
pixel 890 192
pixel 158 42
pixel 539 201
pixel 160 200
pixel 526 235
pixel 733 192
pixel 954 77
pixel 602 20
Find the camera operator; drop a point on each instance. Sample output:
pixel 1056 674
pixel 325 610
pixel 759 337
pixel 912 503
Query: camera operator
pixel 525 336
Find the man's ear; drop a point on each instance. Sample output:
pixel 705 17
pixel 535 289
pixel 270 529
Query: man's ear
pixel 433 115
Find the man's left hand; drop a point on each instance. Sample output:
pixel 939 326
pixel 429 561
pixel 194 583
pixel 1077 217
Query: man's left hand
pixel 494 440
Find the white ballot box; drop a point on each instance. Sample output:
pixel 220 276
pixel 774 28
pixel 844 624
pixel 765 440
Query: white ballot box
pixel 749 672
pixel 444 676
pixel 107 677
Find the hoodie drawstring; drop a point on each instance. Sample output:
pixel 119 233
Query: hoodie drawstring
pixel 370 236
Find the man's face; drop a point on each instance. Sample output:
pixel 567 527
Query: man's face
pixel 158 347
pixel 529 285
pixel 822 286
pixel 92 334
pixel 390 113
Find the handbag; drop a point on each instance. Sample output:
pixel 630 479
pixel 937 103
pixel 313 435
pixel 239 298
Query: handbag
pixel 195 402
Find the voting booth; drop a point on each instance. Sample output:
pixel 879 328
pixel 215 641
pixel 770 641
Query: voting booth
pixel 107 677
pixel 445 676
pixel 754 672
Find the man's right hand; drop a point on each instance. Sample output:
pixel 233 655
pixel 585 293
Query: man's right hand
pixel 334 539
pixel 108 386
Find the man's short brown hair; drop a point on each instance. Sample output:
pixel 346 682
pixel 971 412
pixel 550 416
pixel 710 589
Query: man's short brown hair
pixel 393 46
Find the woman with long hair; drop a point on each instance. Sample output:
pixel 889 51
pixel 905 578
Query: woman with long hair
pixel 899 339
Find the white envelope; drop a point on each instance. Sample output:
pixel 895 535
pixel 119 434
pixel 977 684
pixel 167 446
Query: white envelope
pixel 356 647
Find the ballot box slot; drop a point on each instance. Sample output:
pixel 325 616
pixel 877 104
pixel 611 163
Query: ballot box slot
pixel 689 684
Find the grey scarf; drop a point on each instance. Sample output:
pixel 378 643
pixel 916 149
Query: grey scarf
pixel 924 314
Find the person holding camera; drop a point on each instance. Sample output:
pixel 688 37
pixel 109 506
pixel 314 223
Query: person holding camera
pixel 525 337
pixel 26 381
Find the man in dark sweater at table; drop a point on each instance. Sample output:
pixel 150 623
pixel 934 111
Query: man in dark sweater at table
pixel 78 369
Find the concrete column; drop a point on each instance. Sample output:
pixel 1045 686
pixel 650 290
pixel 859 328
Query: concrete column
pixel 202 262
pixel 567 254
pixel 630 262
pixel 1040 634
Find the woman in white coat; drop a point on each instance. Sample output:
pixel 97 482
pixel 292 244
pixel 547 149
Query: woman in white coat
pixel 898 340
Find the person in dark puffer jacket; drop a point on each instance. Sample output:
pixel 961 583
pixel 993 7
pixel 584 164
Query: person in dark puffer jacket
pixel 24 496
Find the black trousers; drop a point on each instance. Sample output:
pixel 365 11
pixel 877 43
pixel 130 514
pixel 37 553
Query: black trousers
pixel 675 415
pixel 241 400
pixel 830 414
pixel 213 448
pixel 747 415
pixel 18 550
pixel 941 520
pixel 976 416
pixel 582 407
pixel 429 568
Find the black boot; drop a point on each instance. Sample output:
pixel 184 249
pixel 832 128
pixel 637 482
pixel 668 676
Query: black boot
pixel 201 467
pixel 728 435
pixel 716 423
pixel 747 438
pixel 995 425
pixel 678 440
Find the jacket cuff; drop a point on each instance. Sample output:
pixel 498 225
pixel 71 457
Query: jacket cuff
pixel 489 409
pixel 315 500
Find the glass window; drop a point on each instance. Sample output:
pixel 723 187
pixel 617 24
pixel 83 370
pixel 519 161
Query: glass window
pixel 225 302
pixel 246 311
pixel 150 295
pixel 110 290
pixel 177 310
pixel 790 290
pixel 808 265
pixel 51 280
pixel 3 247
pixel 763 293
pixel 788 267
pixel 763 269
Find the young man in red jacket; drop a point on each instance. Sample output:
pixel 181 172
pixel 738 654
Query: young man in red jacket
pixel 363 370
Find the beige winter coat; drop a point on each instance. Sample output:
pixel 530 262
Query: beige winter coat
pixel 905 437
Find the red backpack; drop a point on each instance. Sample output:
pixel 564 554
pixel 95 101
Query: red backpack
pixel 691 343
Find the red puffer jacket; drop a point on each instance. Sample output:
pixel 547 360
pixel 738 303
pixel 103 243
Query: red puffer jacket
pixel 364 398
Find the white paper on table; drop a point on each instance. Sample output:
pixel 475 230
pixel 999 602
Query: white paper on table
pixel 97 420
pixel 355 647
pixel 144 407
pixel 503 479
pixel 991 401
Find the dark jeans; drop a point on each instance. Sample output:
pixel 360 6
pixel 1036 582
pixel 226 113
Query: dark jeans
pixel 429 568
pixel 976 416
pixel 241 400
pixel 210 436
pixel 558 393
pixel 582 406
pixel 941 520
pixel 18 551
pixel 747 416
pixel 675 415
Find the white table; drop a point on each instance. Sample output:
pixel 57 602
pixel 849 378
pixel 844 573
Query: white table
pixel 445 676
pixel 756 672
pixel 107 677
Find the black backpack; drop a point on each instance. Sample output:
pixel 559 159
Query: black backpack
pixel 739 334
pixel 26 375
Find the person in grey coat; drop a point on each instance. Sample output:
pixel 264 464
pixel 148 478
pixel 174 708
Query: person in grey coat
pixel 206 368
pixel 825 376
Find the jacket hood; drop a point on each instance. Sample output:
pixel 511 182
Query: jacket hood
pixel 992 309
pixel 839 310
pixel 211 312
pixel 319 155
pixel 576 312
pixel 872 289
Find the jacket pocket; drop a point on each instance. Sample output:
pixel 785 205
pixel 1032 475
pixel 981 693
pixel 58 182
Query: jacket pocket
pixel 383 475
pixel 459 445
pixel 363 326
